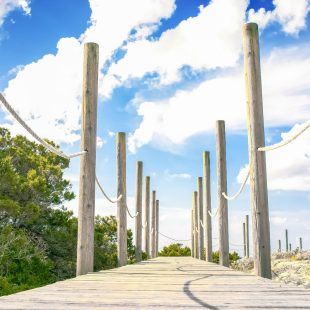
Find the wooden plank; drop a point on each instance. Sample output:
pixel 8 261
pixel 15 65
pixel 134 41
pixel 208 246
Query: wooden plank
pixel 122 203
pixel 138 218
pixel 222 188
pixel 256 139
pixel 207 205
pixel 164 282
pixel 147 223
pixel 85 245
pixel 200 218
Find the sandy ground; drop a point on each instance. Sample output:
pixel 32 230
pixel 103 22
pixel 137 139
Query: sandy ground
pixel 288 267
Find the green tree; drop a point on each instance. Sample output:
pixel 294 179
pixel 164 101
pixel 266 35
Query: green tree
pixel 175 249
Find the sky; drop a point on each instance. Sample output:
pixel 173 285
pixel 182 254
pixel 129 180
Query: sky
pixel 168 69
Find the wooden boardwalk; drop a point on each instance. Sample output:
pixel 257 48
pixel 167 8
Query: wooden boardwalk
pixel 163 283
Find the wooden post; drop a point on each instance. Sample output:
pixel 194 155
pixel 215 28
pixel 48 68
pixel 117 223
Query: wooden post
pixel 196 241
pixel 85 245
pixel 290 247
pixel 286 240
pixel 157 227
pixel 207 205
pixel 192 232
pixel 280 248
pixel 200 218
pixel 121 204
pixel 244 240
pixel 256 139
pixel 153 224
pixel 247 236
pixel 138 228
pixel 147 223
pixel 300 244
pixel 222 188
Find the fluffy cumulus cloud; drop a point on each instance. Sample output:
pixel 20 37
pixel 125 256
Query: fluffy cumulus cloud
pixel 7 6
pixel 290 14
pixel 47 92
pixel 210 40
pixel 286 101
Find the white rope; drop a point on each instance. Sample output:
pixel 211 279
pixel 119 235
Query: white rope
pixel 197 230
pixel 284 142
pixel 215 214
pixel 203 226
pixel 105 195
pixel 240 190
pixel 152 230
pixel 30 131
pixel 145 225
pixel 132 216
pixel 177 240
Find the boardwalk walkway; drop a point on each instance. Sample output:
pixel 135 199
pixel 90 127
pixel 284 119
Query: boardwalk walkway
pixel 163 283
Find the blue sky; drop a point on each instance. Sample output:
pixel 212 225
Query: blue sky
pixel 168 70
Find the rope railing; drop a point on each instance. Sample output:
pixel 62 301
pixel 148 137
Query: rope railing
pixel 201 224
pixel 215 214
pixel 177 240
pixel 285 142
pixel 105 195
pixel 34 135
pixel 132 216
pixel 240 190
pixel 144 225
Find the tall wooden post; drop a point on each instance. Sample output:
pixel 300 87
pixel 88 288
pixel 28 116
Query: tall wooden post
pixel 280 248
pixel 192 232
pixel 290 247
pixel 286 240
pixel 300 244
pixel 207 205
pixel 85 245
pixel 138 228
pixel 222 188
pixel 244 240
pixel 153 224
pixel 200 218
pixel 157 227
pixel 247 236
pixel 121 204
pixel 196 241
pixel 147 223
pixel 256 139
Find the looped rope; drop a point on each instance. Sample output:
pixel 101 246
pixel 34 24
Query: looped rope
pixel 203 226
pixel 105 195
pixel 132 216
pixel 145 225
pixel 285 142
pixel 177 240
pixel 197 230
pixel 215 214
pixel 34 135
pixel 240 190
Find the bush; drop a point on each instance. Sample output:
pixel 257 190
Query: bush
pixel 175 249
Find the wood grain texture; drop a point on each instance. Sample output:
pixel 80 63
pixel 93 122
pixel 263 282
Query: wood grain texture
pixel 157 227
pixel 162 283
pixel 256 139
pixel 207 205
pixel 147 223
pixel 138 218
pixel 222 188
pixel 121 204
pixel 200 218
pixel 85 246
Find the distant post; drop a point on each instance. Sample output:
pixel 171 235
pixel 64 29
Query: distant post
pixel 153 224
pixel 222 187
pixel 290 247
pixel 207 205
pixel 147 223
pixel 138 228
pixel 192 232
pixel 121 204
pixel 196 255
pixel 157 227
pixel 244 240
pixel 280 248
pixel 85 245
pixel 256 139
pixel 300 244
pixel 200 218
pixel 247 236
pixel 286 240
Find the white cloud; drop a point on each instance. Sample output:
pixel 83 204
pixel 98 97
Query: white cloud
pixel 47 92
pixel 7 6
pixel 191 112
pixel 210 40
pixel 170 175
pixel 100 142
pixel 290 14
pixel 111 134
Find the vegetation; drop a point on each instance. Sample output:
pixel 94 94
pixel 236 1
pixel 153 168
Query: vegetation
pixel 38 236
pixel 175 249
pixel 232 257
